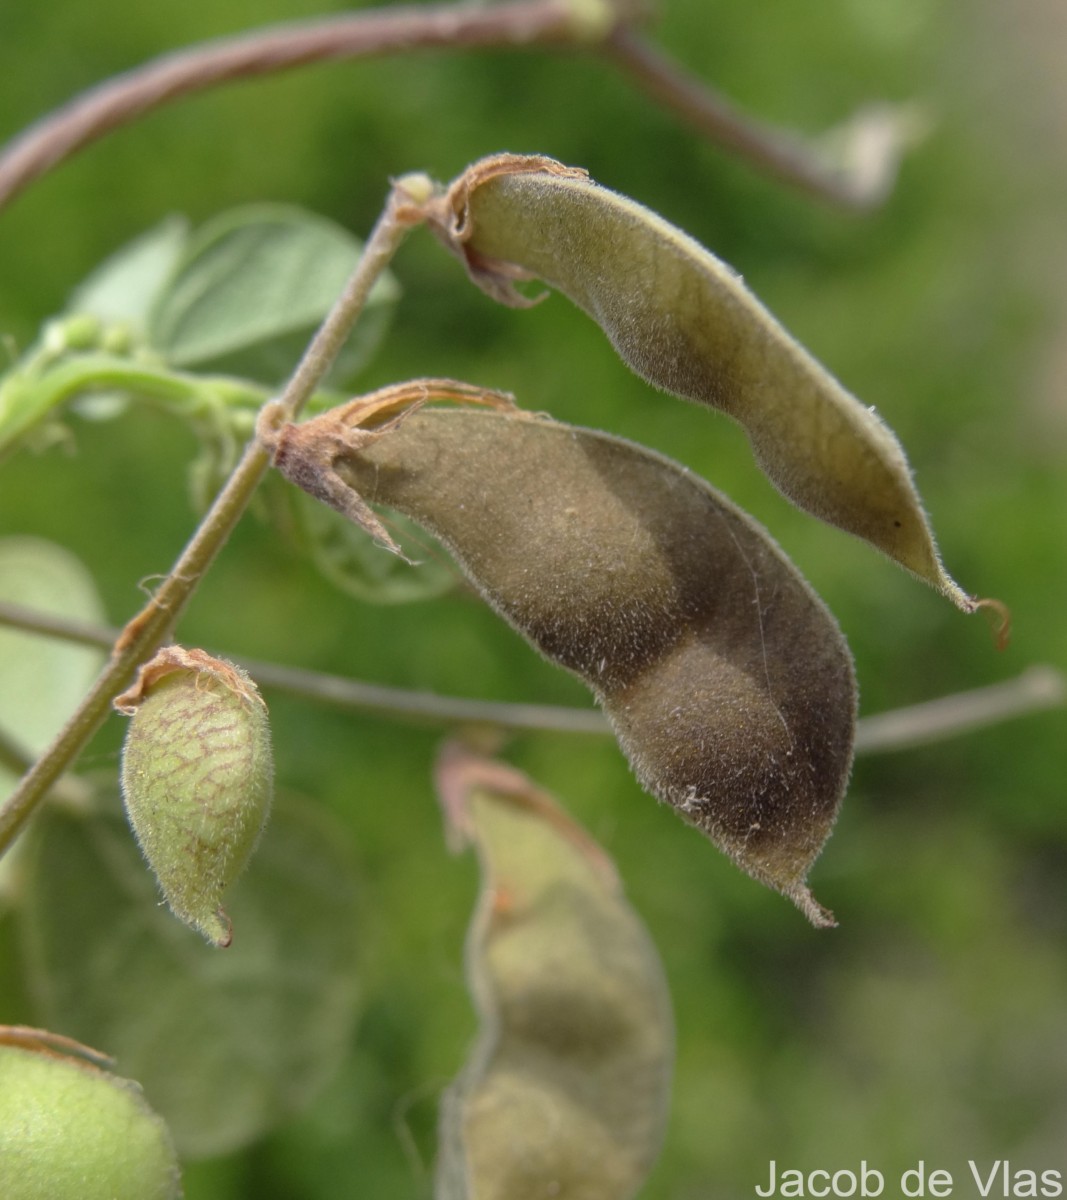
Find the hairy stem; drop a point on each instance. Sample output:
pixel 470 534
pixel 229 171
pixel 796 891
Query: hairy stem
pixel 1038 688
pixel 152 626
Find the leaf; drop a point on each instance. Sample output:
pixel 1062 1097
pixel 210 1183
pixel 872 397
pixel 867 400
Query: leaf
pixel 727 681
pixel 350 558
pixel 226 1045
pixel 42 680
pixel 125 286
pixel 567 1089
pixel 685 322
pixel 251 288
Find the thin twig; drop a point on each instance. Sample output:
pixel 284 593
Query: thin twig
pixel 151 627
pixel 1036 689
pixel 520 24
pixel 124 98
pixel 776 151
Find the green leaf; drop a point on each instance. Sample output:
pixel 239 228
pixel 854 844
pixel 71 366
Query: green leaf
pixel 42 680
pixel 685 322
pixel 125 286
pixel 251 288
pixel 226 1043
pixel 567 1090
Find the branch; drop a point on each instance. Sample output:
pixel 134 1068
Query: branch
pixel 124 98
pixel 374 33
pixel 151 627
pixel 869 145
pixel 1036 689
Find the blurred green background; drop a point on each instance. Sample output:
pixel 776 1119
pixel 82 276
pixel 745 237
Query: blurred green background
pixel 933 1024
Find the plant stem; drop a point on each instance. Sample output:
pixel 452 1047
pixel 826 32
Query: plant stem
pixel 373 33
pixel 152 626
pixel 776 151
pixel 1037 689
pixel 124 98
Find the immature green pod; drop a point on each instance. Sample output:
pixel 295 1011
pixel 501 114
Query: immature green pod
pixel 197 779
pixel 567 1089
pixel 685 322
pixel 727 681
pixel 71 1130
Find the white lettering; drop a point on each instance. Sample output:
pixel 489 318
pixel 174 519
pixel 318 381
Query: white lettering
pixel 986 1188
pixel 770 1185
pixel 1051 1183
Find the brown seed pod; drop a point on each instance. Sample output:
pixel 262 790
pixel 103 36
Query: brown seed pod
pixel 685 322
pixel 726 679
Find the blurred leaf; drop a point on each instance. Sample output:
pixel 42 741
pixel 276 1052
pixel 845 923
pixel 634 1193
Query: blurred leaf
pixel 568 1086
pixel 226 1043
pixel 126 285
pixel 350 558
pixel 42 680
pixel 251 288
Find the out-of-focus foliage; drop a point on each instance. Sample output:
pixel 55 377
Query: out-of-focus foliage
pixel 931 1024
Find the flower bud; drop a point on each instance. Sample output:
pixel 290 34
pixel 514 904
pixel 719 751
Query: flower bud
pixel 70 1130
pixel 197 779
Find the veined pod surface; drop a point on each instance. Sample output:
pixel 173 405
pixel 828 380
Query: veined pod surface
pixel 71 1130
pixel 567 1089
pixel 197 779
pixel 685 322
pixel 726 679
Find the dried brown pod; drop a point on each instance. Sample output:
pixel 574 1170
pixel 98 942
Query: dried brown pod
pixel 685 322
pixel 726 679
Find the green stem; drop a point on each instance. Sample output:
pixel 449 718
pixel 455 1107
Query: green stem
pixel 152 626
pixel 32 398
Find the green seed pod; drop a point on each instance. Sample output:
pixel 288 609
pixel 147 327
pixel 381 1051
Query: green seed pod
pixel 567 1089
pixel 727 681
pixel 70 1130
pixel 197 779
pixel 685 322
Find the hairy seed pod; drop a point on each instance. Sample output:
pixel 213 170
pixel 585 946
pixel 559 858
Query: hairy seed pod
pixel 727 681
pixel 197 779
pixel 567 1089
pixel 71 1130
pixel 685 322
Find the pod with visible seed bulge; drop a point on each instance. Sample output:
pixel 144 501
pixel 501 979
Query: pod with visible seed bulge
pixel 726 679
pixel 197 779
pixel 567 1089
pixel 685 322
pixel 71 1130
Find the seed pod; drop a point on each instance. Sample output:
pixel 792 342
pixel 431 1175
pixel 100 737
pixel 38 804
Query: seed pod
pixel 197 779
pixel 71 1130
pixel 685 322
pixel 727 681
pixel 567 1089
